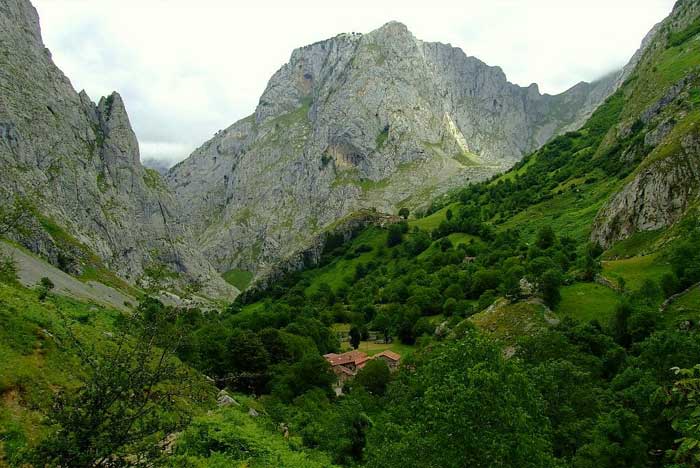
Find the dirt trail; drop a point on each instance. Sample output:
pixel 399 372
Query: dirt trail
pixel 31 269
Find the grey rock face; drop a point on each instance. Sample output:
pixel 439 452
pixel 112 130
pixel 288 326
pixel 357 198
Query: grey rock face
pixel 666 184
pixel 381 120
pixel 655 198
pixel 79 165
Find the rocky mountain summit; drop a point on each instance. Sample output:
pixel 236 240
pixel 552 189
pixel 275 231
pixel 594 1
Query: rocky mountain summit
pixel 374 121
pixel 95 210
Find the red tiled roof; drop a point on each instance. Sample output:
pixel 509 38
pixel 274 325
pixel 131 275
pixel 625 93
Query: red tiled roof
pixel 355 357
pixel 345 370
pixel 389 354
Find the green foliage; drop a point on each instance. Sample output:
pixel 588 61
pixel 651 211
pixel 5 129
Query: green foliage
pixel 355 337
pixel 382 137
pixel 127 401
pixel 308 373
pixel 394 235
pixel 551 281
pixel 462 405
pixel 14 214
pixel 238 278
pixel 685 261
pixel 44 287
pixel 374 377
pixel 8 269
pixel 616 441
pixel 232 438
pixel 404 212
pixel 677 38
pixel 683 410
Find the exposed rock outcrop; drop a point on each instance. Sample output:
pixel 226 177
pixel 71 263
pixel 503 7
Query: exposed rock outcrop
pixel 311 253
pixel 657 196
pixel 78 164
pixel 666 183
pixel 380 120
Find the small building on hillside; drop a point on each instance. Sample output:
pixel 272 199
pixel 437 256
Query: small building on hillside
pixel 346 365
pixel 391 358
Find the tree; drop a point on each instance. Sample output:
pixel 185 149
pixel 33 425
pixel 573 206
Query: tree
pixel 131 394
pixel 590 261
pixel 669 284
pixel 8 269
pixel 395 235
pixel 13 215
pixel 549 284
pixel 621 332
pixel 383 323
pixel 448 214
pixel 511 281
pixel 445 244
pixel 545 237
pixel 648 293
pixel 312 371
pixel 355 337
pixel 616 441
pixel 462 404
pixel 403 212
pixel 683 410
pixel 246 352
pixel 449 306
pixel 45 286
pixel 374 377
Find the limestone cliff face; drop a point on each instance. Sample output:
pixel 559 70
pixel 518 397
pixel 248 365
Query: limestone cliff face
pixel 380 120
pixel 78 164
pixel 667 181
pixel 664 136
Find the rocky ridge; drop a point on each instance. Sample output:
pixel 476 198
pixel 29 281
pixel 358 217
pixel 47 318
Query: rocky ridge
pixel 380 120
pixel 96 210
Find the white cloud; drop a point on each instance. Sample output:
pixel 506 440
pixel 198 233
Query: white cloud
pixel 187 69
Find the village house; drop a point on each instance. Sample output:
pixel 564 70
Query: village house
pixel 346 365
pixel 391 358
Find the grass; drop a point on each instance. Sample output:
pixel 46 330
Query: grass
pixel 238 278
pixel 686 307
pixel 152 179
pixel 370 348
pixel 677 38
pixel 33 360
pixel 462 238
pixel 229 437
pixel 430 222
pixel 570 213
pixel 335 272
pixel 456 238
pixel 637 244
pixel 663 68
pixel 636 270
pixel 93 269
pixel 512 174
pixel 508 322
pixel 587 302
pixel 466 159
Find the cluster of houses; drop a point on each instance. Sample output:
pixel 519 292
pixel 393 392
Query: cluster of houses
pixel 346 365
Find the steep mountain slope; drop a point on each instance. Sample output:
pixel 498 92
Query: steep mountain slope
pixel 96 209
pixel 659 132
pixel 381 120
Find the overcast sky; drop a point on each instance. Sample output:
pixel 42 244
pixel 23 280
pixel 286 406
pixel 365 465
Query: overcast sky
pixel 189 68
